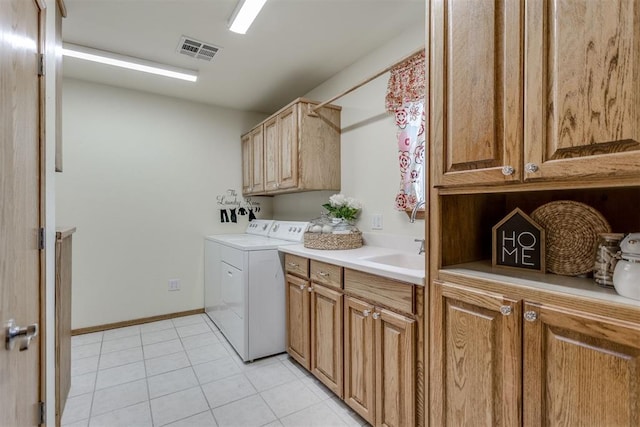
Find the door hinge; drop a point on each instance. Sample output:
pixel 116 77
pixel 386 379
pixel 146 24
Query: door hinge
pixel 41 238
pixel 41 64
pixel 42 412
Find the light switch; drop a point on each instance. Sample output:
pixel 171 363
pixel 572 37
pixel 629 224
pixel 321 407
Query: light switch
pixel 376 222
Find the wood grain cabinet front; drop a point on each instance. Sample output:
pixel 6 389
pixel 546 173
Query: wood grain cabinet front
pixel 554 94
pixel 298 320
pixel 314 320
pixel 498 360
pixel 301 150
pixel 379 364
pixel 253 162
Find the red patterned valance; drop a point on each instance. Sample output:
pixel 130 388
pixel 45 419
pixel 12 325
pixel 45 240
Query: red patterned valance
pixel 406 82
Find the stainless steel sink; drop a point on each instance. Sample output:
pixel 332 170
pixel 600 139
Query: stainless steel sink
pixel 400 260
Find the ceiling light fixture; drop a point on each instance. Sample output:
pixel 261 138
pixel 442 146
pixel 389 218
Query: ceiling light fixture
pixel 244 14
pixel 128 62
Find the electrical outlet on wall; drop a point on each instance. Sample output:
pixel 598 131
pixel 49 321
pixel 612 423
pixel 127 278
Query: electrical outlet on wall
pixel 376 222
pixel 174 284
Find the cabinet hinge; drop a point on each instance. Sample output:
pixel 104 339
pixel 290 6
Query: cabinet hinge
pixel 41 64
pixel 41 238
pixel 42 412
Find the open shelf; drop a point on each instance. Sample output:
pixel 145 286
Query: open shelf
pixel 577 286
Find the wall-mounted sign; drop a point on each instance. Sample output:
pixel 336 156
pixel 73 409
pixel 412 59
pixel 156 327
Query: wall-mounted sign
pixel 518 242
pixel 232 206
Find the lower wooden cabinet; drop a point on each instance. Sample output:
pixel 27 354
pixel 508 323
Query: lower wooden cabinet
pixel 326 337
pixel 314 330
pixel 500 360
pixel 298 320
pixel 475 357
pixel 379 364
pixel 579 369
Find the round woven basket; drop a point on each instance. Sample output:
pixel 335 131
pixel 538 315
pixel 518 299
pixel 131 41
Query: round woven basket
pixel 332 241
pixel 571 234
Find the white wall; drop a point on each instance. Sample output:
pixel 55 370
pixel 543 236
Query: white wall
pixel 369 153
pixel 141 176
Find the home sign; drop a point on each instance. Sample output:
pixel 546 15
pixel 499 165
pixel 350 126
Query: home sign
pixel 518 242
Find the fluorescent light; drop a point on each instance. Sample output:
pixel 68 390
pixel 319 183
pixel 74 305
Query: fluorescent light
pixel 117 60
pixel 244 14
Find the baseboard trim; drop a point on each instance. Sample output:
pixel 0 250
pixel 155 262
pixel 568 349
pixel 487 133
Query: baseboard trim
pixel 108 326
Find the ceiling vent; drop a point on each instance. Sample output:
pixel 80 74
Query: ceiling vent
pixel 197 49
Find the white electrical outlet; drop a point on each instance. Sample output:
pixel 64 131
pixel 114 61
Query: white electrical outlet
pixel 174 284
pixel 376 222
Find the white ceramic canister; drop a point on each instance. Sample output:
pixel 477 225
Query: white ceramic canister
pixel 626 277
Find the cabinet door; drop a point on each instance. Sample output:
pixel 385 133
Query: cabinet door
pixel 476 91
pixel 395 367
pixel 583 92
pixel 475 358
pixel 247 164
pixel 271 154
pixel 288 149
pixel 298 332
pixel 579 369
pixel 359 358
pixel 257 161
pixel 326 337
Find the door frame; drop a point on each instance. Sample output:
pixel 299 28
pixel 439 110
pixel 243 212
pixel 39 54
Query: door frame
pixel 42 46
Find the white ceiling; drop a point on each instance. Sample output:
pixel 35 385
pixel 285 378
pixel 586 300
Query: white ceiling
pixel 293 45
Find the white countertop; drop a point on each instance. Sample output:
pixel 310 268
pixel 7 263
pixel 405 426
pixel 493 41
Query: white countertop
pixel 354 259
pixel 578 286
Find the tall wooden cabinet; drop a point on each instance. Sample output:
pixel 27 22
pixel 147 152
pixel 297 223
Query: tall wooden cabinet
pixel 534 91
pixel 530 102
pixel 301 150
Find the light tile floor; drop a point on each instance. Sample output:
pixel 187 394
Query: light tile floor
pixel 183 372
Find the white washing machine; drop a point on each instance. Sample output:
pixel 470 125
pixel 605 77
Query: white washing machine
pixel 244 291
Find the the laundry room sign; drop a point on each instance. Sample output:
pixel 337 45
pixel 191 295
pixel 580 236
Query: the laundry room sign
pixel 233 205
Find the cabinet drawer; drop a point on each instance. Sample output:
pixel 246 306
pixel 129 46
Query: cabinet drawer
pixel 390 293
pixel 296 265
pixel 326 274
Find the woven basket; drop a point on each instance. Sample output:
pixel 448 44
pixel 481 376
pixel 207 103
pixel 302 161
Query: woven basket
pixel 332 241
pixel 571 234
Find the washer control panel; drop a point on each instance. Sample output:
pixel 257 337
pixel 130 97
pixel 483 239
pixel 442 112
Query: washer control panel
pixel 260 227
pixel 288 230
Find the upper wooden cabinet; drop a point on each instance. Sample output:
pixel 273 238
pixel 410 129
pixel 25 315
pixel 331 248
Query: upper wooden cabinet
pixel 301 150
pixel 476 85
pixel 582 92
pixel 252 162
pixel 530 91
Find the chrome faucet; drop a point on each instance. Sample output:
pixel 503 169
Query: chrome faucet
pixel 414 212
pixel 421 246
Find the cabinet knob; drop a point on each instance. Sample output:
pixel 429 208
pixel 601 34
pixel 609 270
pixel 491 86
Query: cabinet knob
pixel 302 287
pixel 530 316
pixel 505 310
pixel 376 316
pixel 508 170
pixel 323 274
pixel 366 313
pixel 531 167
pixel 310 289
pixel 292 264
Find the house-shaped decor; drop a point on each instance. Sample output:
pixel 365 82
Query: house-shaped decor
pixel 518 242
